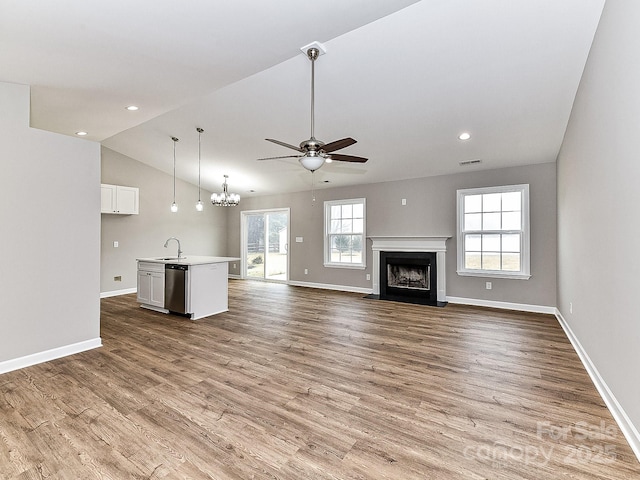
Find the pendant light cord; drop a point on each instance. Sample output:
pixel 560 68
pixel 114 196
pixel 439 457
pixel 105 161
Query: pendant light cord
pixel 175 140
pixel 199 135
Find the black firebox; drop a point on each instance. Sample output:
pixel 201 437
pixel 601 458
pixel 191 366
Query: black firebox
pixel 409 277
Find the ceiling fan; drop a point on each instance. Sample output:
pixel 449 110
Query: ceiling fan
pixel 313 152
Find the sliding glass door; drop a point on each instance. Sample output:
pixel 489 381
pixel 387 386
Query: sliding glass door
pixel 265 244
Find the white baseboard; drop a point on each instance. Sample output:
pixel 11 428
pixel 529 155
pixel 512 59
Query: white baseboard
pixel 627 427
pixel 115 293
pixel 234 276
pixel 327 286
pixel 464 301
pixel 523 307
pixel 47 355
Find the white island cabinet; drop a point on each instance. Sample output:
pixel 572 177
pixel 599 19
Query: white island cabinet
pixel 151 284
pixel 206 284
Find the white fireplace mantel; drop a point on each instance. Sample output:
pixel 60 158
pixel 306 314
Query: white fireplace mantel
pixel 435 244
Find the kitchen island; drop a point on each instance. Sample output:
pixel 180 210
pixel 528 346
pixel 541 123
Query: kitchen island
pixel 193 286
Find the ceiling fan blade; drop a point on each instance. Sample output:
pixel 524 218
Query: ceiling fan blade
pixel 276 158
pixel 338 144
pixel 284 144
pixel 347 158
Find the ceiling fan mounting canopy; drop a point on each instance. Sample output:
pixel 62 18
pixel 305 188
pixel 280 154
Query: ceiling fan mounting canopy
pixel 313 53
pixel 313 152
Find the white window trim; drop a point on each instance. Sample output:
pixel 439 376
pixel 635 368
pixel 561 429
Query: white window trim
pixel 525 245
pixel 327 247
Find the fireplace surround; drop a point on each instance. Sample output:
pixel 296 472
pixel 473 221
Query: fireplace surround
pixel 418 265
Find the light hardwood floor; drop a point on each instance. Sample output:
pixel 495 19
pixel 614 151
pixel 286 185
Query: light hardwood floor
pixel 297 383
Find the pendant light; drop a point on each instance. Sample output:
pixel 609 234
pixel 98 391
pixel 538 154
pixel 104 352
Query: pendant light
pixel 199 205
pixel 225 199
pixel 174 206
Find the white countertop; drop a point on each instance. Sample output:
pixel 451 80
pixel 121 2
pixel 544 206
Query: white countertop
pixel 189 260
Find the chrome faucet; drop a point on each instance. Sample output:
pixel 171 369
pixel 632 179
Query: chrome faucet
pixel 179 250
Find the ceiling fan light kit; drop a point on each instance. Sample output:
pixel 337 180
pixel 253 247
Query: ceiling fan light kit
pixel 312 161
pixel 312 152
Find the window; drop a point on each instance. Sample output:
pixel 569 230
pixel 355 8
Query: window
pixel 493 232
pixel 344 238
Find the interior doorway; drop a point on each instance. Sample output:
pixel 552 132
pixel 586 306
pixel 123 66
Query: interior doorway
pixel 265 244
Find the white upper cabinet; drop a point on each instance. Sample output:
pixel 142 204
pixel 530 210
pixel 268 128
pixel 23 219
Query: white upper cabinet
pixel 118 199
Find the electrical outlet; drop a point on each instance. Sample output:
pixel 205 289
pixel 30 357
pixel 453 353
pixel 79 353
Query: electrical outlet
pixel 299 239
pixel 115 244
pixel 404 201
pixel 488 286
pixel 368 276
pixel 570 307
pixel 306 271
pixel 234 266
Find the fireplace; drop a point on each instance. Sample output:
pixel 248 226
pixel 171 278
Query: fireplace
pixel 415 265
pixel 409 276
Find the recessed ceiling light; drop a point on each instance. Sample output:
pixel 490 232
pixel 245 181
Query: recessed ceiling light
pixel 132 108
pixel 81 133
pixel 464 136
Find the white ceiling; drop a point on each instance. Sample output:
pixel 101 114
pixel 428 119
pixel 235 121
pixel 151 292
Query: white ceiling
pixel 404 78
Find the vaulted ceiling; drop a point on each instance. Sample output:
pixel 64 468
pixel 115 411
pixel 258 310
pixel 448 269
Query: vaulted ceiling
pixel 402 77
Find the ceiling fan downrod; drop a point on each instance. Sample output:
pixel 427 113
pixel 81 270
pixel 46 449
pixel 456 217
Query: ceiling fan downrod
pixel 313 54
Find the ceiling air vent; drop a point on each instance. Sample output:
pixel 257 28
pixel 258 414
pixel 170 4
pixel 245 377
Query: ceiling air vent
pixel 470 162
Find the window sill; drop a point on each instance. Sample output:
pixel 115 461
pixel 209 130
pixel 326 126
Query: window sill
pixel 489 274
pixel 345 265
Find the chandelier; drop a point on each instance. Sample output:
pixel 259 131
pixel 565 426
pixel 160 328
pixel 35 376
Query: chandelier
pixel 225 199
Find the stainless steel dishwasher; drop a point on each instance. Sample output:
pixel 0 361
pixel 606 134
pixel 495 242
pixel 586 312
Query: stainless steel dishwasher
pixel 175 287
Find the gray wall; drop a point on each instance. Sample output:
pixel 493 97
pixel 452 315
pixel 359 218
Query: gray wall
pixel 598 199
pixel 430 210
pixel 143 235
pixel 49 234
